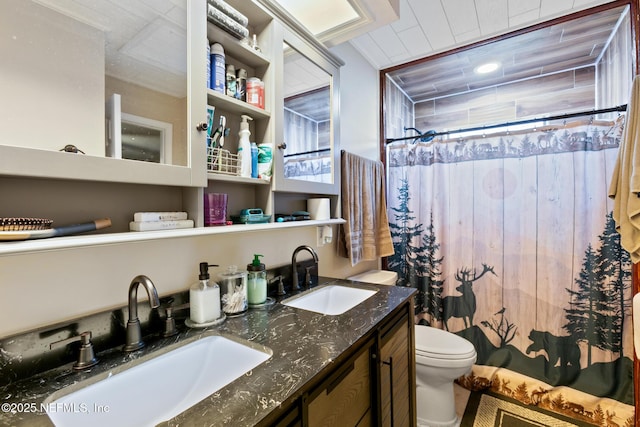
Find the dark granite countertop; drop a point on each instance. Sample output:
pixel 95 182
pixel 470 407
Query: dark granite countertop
pixel 304 344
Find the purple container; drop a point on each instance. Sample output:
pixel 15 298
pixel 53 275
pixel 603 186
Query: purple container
pixel 215 209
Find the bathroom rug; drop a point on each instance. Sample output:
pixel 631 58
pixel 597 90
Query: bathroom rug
pixel 486 409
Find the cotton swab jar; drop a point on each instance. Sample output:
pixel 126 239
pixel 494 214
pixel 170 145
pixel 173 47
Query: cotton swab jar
pixel 233 291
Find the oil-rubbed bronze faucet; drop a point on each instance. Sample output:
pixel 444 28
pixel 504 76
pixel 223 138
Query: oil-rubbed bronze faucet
pixel 294 270
pixel 86 357
pixel 134 335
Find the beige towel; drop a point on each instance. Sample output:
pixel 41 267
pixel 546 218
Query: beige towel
pixel 365 236
pixel 625 182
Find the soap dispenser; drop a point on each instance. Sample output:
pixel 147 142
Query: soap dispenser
pixel 244 147
pixel 204 298
pixel 257 281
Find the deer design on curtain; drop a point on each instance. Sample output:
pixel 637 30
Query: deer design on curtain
pixel 463 306
pixel 548 312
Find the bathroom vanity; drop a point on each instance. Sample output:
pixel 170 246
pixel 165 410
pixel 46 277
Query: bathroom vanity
pixel 356 368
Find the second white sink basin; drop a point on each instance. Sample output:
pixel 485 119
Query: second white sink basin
pixel 330 299
pixel 157 389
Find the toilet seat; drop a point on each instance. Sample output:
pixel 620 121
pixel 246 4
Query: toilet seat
pixel 436 344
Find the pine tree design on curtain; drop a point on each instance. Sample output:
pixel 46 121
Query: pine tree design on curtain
pixel 418 267
pixel 403 231
pixel 599 304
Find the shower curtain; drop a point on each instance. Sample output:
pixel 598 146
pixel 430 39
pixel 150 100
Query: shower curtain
pixel 511 244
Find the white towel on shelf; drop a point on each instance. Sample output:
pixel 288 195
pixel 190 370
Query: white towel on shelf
pixel 625 181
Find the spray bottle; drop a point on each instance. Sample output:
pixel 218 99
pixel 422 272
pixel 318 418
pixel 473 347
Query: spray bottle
pixel 244 147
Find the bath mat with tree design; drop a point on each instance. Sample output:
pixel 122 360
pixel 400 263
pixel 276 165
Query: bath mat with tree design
pixel 487 409
pixel 564 404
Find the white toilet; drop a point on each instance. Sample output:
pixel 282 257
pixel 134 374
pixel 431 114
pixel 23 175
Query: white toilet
pixel 441 357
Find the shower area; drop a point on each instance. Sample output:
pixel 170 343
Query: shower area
pixel 497 193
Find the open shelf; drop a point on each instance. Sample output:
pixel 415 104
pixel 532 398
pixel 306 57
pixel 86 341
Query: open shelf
pixel 8 248
pixel 212 176
pixel 232 105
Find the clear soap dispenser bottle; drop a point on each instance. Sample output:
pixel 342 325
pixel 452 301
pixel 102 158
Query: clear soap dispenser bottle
pixel 257 281
pixel 204 298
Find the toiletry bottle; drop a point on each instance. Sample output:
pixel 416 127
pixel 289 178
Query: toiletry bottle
pixel 244 147
pixel 241 84
pixel 233 284
pixel 208 65
pixel 265 157
pixel 217 67
pixel 253 91
pixel 254 160
pixel 231 80
pixel 256 281
pixel 204 297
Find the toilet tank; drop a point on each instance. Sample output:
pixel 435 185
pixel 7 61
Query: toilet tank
pixel 380 277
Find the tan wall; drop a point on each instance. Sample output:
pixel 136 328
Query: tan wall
pixel 151 104
pixel 49 287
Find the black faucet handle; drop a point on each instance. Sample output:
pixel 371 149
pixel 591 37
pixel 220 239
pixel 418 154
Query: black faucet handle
pixel 170 322
pixel 86 355
pixel 280 291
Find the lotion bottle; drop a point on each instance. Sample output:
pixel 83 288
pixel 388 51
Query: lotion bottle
pixel 204 297
pixel 244 147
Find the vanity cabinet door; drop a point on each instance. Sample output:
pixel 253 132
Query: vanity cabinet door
pixel 397 375
pixel 344 398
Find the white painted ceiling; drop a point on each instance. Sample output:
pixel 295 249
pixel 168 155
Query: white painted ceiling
pixel 427 27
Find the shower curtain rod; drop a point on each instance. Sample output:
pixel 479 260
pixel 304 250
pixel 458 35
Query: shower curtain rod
pixel 431 134
pixel 303 153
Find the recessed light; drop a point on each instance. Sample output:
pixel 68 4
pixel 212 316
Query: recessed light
pixel 489 67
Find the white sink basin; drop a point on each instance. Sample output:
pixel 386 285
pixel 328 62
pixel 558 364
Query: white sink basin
pixel 157 389
pixel 329 299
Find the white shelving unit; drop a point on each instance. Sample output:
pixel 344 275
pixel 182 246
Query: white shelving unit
pixel 163 187
pixel 10 248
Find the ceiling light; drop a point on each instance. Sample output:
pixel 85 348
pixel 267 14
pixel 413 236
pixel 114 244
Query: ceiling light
pixel 315 16
pixel 489 67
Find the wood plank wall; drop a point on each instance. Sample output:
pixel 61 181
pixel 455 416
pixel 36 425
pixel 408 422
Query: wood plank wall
pixel 571 91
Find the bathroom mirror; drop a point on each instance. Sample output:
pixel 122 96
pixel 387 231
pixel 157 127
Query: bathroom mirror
pixel 68 60
pixel 307 119
pixel 307 159
pixel 145 139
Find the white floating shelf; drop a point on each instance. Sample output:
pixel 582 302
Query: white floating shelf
pixel 9 248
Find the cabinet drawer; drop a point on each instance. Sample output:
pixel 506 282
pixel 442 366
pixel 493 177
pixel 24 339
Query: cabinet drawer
pixel 346 396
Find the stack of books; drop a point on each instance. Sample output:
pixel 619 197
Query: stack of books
pixel 147 221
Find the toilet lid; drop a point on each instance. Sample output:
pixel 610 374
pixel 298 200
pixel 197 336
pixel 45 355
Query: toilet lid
pixel 433 342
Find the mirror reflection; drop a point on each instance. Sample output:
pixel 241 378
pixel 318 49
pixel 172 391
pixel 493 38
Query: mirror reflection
pixel 69 60
pixel 307 119
pixel 145 140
